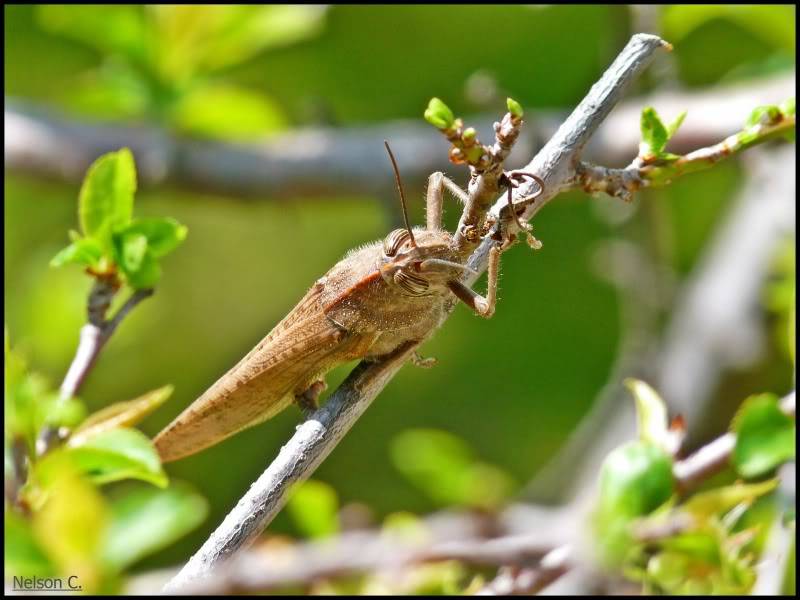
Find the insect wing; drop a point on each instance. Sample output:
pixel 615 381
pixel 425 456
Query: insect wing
pixel 300 348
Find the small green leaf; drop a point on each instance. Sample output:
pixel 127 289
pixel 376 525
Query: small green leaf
pixel 118 454
pixel 134 247
pixel 651 413
pixel 765 436
pixel 314 508
pixel 83 251
pixel 163 234
pixel 71 524
pixel 439 114
pixel 106 197
pixel 120 414
pixel 673 127
pixel 720 500
pixel 635 479
pixel 654 134
pixel 515 108
pixel 763 115
pixel 145 520
pixel 147 275
pixel 24 556
pixel 443 466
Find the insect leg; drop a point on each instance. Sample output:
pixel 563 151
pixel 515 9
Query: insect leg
pixel 424 363
pixel 483 306
pixel 437 183
pixel 308 400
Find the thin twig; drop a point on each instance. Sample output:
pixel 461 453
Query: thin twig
pixel 317 436
pixel 93 336
pixel 622 183
pixel 714 456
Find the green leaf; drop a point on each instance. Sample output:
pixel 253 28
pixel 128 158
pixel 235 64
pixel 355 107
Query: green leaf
pixel 228 112
pixel 83 251
pixel 147 275
pixel 651 413
pixel 635 479
pixel 121 414
pixel 765 436
pixel 24 556
pixel 145 520
pixel 118 454
pixel 721 500
pixel 106 197
pixel 654 134
pixel 673 127
pixel 163 234
pixel 71 524
pixel 439 114
pixel 134 247
pixel 788 107
pixel 443 466
pixel 314 508
pixel 515 108
pixel 763 115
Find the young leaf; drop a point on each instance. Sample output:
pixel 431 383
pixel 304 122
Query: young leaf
pixel 673 127
pixel 314 508
pixel 439 114
pixel 723 499
pixel 120 414
pixel 651 413
pixel 106 197
pixel 132 251
pixel 765 436
pixel 145 520
pixel 635 479
pixel 515 108
pixel 24 556
pixel 71 524
pixel 82 251
pixel 654 134
pixel 118 454
pixel 763 115
pixel 147 275
pixel 163 234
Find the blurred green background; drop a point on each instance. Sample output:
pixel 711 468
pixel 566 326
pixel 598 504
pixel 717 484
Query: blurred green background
pixel 513 387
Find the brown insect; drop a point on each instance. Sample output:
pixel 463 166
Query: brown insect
pixel 375 299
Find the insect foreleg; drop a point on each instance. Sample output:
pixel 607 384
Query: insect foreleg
pixel 483 306
pixel 437 183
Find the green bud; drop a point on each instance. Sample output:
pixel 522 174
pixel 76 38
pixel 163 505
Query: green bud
pixel 515 108
pixel 468 137
pixel 439 114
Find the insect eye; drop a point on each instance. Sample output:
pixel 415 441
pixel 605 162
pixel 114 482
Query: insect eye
pixel 414 285
pixel 394 241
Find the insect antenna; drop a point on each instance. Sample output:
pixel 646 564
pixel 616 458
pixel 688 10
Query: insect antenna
pixel 400 191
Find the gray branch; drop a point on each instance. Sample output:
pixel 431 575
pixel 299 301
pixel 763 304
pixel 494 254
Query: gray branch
pixel 319 434
pixel 331 162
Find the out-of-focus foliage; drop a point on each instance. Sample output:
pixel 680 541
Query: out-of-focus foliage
pixel 513 388
pixel 58 522
pixel 443 466
pixel 163 62
pixel 705 543
pixel 61 523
